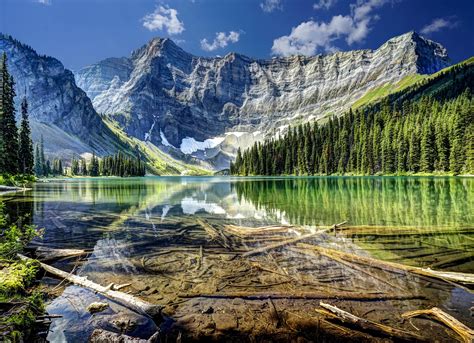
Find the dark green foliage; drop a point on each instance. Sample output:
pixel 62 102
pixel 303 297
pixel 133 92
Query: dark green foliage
pixel 16 149
pixel 94 166
pixel 43 167
pixel 25 151
pixel 115 165
pixel 122 165
pixel 425 135
pixel 75 167
pixel 8 129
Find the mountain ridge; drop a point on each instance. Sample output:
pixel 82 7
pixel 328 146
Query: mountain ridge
pixel 165 92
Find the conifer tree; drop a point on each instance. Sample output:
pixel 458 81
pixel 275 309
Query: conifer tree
pixel 25 151
pixel 8 129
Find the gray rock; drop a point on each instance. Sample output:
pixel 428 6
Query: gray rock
pixel 163 94
pixel 59 110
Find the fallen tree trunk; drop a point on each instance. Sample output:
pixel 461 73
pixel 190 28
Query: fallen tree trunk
pixel 104 336
pixel 303 295
pixel 289 241
pixel 463 278
pixel 462 330
pixel 139 305
pixel 344 317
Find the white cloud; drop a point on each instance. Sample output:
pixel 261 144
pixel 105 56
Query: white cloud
pixel 437 25
pixel 324 4
pixel 44 2
pixel 311 37
pixel 221 41
pixel 164 18
pixel 271 5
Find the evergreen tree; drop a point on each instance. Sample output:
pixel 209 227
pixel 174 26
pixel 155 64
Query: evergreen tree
pixel 38 165
pixel 75 170
pixel 25 152
pixel 84 170
pixel 428 152
pixel 8 129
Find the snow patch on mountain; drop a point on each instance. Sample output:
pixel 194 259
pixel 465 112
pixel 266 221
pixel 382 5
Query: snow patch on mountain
pixel 164 141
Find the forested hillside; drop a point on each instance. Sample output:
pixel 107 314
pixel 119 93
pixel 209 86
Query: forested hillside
pixel 427 128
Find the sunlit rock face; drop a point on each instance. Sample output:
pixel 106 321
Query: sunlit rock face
pixel 59 110
pixel 162 91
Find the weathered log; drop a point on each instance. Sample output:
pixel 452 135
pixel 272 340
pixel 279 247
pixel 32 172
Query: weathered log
pixel 104 336
pixel 243 231
pixel 50 254
pixel 289 241
pixel 466 334
pixel 137 304
pixel 345 317
pixel 463 278
pixel 304 295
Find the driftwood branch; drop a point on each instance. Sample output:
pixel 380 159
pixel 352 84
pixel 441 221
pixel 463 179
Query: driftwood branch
pixel 345 317
pixel 124 298
pixel 462 330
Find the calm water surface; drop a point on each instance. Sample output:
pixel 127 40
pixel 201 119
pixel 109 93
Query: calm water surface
pixel 438 212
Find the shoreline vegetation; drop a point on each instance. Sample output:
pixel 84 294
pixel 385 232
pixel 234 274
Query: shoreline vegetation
pixel 21 302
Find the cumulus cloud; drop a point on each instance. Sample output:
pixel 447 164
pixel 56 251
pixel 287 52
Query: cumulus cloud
pixel 437 25
pixel 271 5
pixel 164 18
pixel 311 37
pixel 324 4
pixel 44 2
pixel 220 41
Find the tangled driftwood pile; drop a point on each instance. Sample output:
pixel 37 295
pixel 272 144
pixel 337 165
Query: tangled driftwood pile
pixel 216 280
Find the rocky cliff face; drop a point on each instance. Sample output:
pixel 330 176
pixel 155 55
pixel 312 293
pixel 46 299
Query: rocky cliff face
pixel 59 110
pixel 202 106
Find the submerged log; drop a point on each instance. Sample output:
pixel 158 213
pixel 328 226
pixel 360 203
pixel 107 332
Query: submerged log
pixel 345 317
pixel 50 254
pixel 462 330
pixel 139 305
pixel 304 295
pixel 289 241
pixel 463 278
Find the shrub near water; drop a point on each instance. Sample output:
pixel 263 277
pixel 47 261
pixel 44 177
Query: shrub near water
pixel 17 180
pixel 19 304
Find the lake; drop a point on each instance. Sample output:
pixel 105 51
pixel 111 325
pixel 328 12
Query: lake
pixel 148 232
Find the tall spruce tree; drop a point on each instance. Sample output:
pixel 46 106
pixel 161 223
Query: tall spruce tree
pixel 25 150
pixel 8 128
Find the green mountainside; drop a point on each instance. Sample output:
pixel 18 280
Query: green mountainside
pixel 424 127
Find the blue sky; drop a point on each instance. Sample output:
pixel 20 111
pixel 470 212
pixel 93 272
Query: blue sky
pixel 81 32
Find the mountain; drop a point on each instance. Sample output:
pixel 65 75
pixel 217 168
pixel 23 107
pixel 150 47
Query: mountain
pixel 59 110
pixel 63 114
pixel 206 107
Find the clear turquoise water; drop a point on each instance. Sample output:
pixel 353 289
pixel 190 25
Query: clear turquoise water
pixel 77 212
